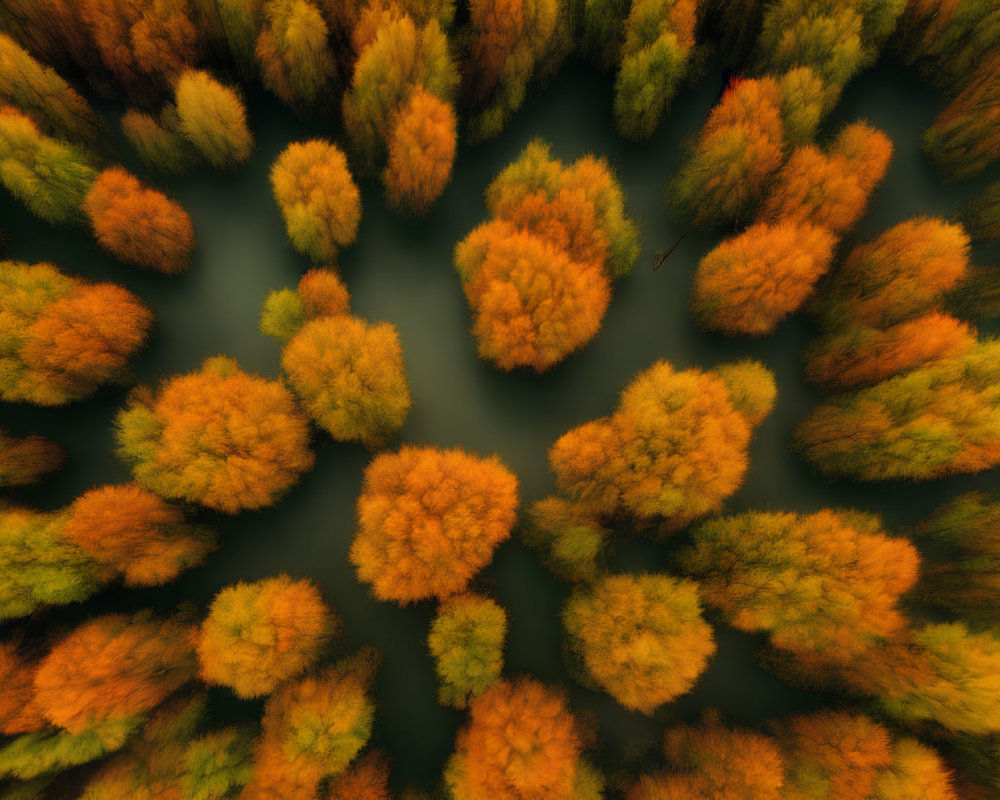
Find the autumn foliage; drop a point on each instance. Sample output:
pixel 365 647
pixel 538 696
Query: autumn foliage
pixel 139 224
pixel 882 309
pixel 293 51
pixel 657 41
pixel 61 338
pixel 512 43
pixel 961 568
pixel 641 638
pixel 312 729
pixel 674 449
pixel 258 635
pixel 429 520
pixel 132 533
pixel 466 641
pixel 520 743
pixel 318 198
pixel 734 155
pixel 218 436
pixel 111 668
pixel 710 761
pixel 831 188
pixel 348 373
pixel 50 176
pixel 940 419
pixel 749 283
pixel 826 583
pixel 538 275
pixel 398 104
pixel 28 459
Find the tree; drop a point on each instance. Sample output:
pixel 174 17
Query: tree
pixel 710 761
pixel 50 176
pixel 349 374
pixel 132 533
pixel 152 763
pixel 916 773
pixel 320 294
pixel 961 569
pixel 641 637
pixel 399 104
pixel 733 157
pixel 520 742
pixel 862 356
pixel 366 779
pixel 218 436
pixel 18 712
pixel 205 123
pixel 835 39
pixel 113 668
pixel 293 50
pixel 674 449
pixel 879 310
pixel 142 45
pixel 312 729
pixel 569 540
pixel 139 224
pixel 466 641
pixel 658 38
pixel 259 635
pixel 217 764
pixel 940 419
pixel 429 519
pixel 834 755
pixel 826 583
pixel 947 40
pixel 533 304
pixel 511 43
pixel 28 459
pixel 64 338
pixel 538 275
pixel 421 153
pixel 964 139
pixel 211 116
pixel 318 198
pixel 832 189
pixel 39 91
pixel 750 282
pixel 940 673
pixel 981 215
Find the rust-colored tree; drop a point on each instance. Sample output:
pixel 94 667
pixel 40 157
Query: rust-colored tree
pixel 139 224
pixel 28 459
pixel 429 519
pixel 520 743
pixel 751 282
pixel 219 437
pixel 112 668
pixel 132 533
pixel 61 338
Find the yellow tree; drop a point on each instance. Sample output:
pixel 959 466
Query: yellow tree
pixel 259 635
pixel 674 449
pixel 641 637
pixel 318 198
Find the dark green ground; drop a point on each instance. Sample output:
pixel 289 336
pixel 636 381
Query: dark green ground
pixel 401 271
